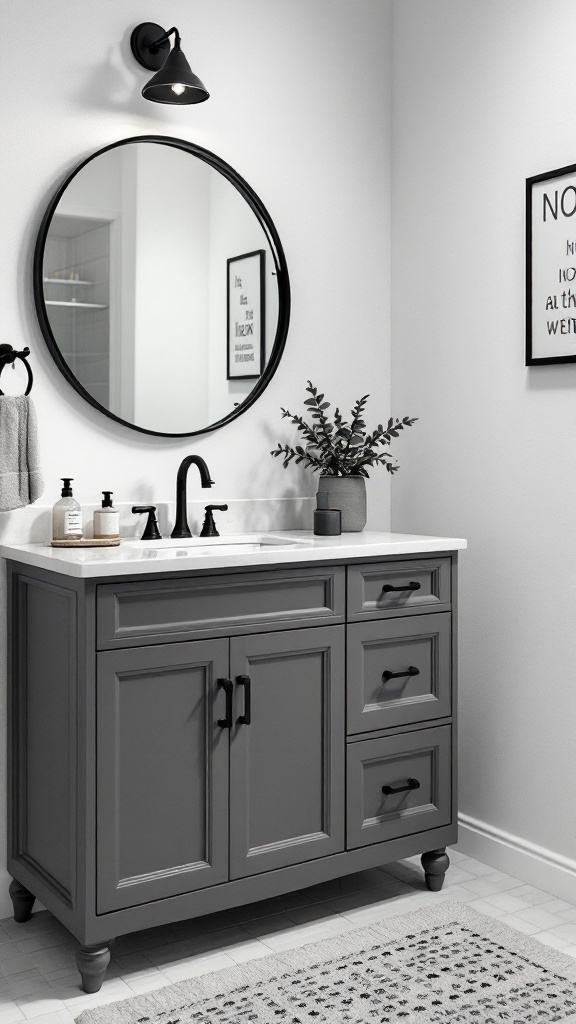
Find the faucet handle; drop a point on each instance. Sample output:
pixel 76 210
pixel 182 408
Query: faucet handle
pixel 151 531
pixel 209 527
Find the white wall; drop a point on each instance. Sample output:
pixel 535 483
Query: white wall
pixel 300 105
pixel 96 190
pixel 484 97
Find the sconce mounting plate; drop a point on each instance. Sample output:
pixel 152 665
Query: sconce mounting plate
pixel 140 40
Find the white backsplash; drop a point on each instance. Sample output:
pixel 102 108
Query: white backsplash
pixel 33 524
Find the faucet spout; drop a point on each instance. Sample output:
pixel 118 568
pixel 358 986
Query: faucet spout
pixel 181 528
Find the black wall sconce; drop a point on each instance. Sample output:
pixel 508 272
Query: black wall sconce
pixel 174 81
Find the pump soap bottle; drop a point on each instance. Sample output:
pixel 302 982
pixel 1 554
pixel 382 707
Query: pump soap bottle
pixel 106 520
pixel 67 515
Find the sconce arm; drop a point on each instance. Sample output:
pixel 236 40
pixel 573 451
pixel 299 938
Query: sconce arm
pixel 150 46
pixel 153 47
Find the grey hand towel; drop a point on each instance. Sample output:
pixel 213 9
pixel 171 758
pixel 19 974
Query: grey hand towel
pixel 21 481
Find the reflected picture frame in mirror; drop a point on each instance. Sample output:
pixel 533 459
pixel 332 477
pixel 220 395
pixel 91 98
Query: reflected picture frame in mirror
pixel 276 272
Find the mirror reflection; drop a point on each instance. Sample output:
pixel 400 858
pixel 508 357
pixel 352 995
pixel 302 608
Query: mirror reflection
pixel 160 288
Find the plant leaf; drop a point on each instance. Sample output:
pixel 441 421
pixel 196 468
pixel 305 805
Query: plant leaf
pixel 335 446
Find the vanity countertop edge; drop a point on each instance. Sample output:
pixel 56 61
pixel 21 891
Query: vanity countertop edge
pixel 131 559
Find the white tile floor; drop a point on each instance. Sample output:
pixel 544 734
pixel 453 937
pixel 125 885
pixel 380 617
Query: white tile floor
pixel 38 978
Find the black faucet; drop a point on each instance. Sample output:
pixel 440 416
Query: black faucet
pixel 181 528
pixel 151 531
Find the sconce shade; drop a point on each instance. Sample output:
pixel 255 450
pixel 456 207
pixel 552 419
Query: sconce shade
pixel 175 82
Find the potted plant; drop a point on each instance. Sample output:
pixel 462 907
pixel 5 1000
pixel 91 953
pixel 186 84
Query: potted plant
pixel 341 452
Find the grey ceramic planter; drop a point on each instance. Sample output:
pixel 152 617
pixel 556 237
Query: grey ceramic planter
pixel 348 493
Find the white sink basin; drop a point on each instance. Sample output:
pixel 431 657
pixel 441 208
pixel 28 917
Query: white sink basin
pixel 196 547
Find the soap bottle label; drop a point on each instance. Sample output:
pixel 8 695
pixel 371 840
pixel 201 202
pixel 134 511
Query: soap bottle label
pixel 73 523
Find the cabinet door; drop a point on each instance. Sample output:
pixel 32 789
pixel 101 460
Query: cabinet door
pixel 162 764
pixel 287 760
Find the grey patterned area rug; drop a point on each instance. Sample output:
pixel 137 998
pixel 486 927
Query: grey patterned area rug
pixel 445 964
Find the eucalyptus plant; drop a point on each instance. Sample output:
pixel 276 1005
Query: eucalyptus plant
pixel 335 447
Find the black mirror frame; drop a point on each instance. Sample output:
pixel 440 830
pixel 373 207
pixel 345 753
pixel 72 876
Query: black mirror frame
pixel 272 236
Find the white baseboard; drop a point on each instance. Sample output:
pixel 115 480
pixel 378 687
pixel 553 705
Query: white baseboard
pixel 503 851
pixel 5 901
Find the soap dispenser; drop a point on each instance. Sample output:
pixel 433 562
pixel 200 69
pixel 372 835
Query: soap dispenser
pixel 106 520
pixel 67 515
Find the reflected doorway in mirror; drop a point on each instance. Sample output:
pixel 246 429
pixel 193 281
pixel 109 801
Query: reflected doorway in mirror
pixel 245 315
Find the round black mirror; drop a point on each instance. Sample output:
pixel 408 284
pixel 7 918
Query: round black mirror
pixel 161 286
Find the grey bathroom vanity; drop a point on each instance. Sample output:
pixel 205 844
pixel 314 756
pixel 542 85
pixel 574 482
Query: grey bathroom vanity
pixel 203 729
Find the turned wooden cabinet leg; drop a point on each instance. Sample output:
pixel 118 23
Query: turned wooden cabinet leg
pixel 435 864
pixel 92 962
pixel 22 901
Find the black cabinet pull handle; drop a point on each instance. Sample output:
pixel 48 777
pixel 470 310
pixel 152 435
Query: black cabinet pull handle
pixel 226 684
pixel 412 784
pixel 410 671
pixel 246 682
pixel 387 588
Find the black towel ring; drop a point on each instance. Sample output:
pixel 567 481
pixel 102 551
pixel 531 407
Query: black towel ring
pixel 8 355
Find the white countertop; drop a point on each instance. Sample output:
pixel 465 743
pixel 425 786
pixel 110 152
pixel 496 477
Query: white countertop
pixel 245 551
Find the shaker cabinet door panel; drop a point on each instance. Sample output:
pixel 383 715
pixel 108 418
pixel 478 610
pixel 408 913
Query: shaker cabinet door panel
pixel 131 614
pixel 162 772
pixel 405 587
pixel 287 761
pixel 398 671
pixel 399 785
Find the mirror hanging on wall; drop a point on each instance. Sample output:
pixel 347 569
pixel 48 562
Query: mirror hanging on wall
pixel 161 286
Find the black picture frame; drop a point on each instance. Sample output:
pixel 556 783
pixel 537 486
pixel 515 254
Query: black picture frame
pixel 548 278
pixel 255 319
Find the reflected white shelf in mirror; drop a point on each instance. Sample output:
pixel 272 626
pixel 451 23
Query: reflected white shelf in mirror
pixel 78 305
pixel 63 280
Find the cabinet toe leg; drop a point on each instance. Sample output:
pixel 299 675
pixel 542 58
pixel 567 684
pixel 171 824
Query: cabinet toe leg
pixel 435 864
pixel 22 901
pixel 92 962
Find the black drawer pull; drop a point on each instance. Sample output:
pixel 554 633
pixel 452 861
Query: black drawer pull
pixel 246 682
pixel 388 588
pixel 410 671
pixel 412 784
pixel 226 684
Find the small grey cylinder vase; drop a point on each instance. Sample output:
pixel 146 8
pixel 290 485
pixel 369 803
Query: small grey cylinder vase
pixel 348 493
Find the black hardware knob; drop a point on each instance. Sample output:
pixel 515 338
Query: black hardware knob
pixel 246 682
pixel 410 671
pixel 412 784
pixel 388 588
pixel 151 531
pixel 209 527
pixel 226 684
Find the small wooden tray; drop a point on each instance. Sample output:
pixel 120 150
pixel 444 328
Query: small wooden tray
pixel 84 542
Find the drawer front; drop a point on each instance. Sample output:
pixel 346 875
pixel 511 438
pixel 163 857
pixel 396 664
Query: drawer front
pixel 398 762
pixel 398 671
pixel 158 612
pixel 421 585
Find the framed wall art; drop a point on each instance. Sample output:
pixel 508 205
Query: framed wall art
pixel 245 315
pixel 551 267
